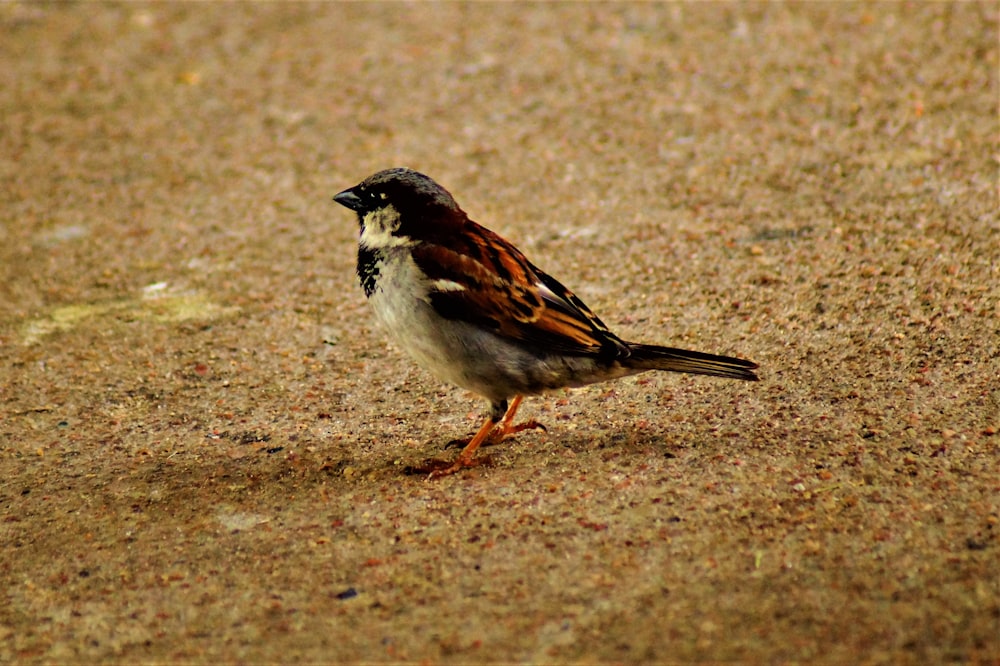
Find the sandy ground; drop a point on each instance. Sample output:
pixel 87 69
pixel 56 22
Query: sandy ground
pixel 203 433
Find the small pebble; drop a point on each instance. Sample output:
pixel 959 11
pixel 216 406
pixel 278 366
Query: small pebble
pixel 349 593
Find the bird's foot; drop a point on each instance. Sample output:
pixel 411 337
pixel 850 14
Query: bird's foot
pixel 435 468
pixel 527 425
pixel 489 433
pixel 498 434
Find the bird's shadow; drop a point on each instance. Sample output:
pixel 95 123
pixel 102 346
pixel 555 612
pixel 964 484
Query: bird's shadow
pixel 607 442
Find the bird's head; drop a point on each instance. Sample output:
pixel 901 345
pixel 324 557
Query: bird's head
pixel 394 204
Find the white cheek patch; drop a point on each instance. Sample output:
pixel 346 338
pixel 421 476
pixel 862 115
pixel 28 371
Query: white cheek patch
pixel 378 227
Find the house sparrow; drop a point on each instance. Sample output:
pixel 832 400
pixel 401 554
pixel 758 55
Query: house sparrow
pixel 469 307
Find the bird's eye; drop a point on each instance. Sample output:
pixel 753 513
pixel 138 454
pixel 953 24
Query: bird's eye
pixel 373 198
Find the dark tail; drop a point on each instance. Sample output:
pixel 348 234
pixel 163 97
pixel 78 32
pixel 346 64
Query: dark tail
pixel 653 357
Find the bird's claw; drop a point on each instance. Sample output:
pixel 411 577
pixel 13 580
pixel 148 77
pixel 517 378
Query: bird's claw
pixel 498 435
pixel 435 468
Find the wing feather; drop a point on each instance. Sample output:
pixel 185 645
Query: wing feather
pixel 506 293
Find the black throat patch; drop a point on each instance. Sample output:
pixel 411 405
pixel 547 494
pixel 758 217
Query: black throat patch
pixel 367 268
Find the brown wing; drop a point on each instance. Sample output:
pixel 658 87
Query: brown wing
pixel 488 282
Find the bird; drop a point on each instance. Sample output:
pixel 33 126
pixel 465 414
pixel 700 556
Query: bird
pixel 470 308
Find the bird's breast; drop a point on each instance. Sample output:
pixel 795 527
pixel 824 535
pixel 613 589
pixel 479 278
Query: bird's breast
pixel 395 286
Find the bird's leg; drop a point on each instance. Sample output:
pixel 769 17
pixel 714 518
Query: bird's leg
pixel 499 424
pixel 466 458
pixel 506 424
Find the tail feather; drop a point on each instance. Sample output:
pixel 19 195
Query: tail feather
pixel 654 357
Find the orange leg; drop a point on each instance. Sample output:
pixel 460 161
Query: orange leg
pixel 466 457
pixel 489 433
pixel 506 425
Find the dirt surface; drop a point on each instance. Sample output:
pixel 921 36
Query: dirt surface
pixel 203 433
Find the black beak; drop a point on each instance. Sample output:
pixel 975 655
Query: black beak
pixel 348 199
